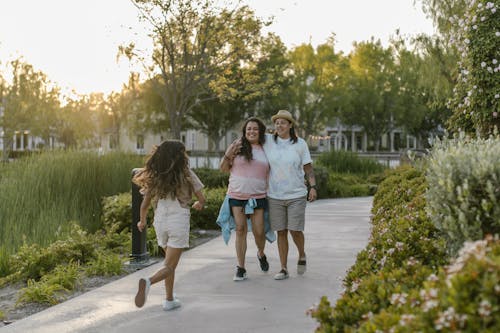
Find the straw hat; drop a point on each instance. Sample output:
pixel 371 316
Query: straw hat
pixel 283 114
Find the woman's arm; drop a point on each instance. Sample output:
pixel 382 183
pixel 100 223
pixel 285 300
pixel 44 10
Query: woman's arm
pixel 311 179
pixel 227 161
pixel 146 201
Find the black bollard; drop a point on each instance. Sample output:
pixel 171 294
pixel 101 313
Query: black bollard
pixel 139 250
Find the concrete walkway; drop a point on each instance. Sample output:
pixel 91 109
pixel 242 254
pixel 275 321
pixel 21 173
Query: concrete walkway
pixel 336 230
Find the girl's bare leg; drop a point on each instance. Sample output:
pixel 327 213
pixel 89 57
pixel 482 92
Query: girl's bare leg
pixel 172 257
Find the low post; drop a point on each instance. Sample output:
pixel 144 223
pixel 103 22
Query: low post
pixel 139 253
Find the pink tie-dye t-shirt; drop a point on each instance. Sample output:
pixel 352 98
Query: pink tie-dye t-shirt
pixel 249 179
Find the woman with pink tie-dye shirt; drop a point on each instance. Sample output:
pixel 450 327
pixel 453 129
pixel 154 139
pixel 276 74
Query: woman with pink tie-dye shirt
pixel 247 163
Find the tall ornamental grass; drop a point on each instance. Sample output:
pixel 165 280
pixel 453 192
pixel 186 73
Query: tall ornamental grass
pixel 42 193
pixel 464 189
pixel 349 162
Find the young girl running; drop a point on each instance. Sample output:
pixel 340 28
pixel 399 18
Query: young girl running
pixel 168 183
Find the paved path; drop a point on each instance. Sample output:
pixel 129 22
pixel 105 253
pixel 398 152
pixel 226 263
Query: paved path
pixel 336 230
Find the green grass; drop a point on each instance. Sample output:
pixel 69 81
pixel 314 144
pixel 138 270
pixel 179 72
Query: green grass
pixel 349 163
pixel 41 194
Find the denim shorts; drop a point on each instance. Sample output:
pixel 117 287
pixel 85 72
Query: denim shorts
pixel 261 203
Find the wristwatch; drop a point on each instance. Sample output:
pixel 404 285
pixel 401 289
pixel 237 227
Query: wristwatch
pixel 313 186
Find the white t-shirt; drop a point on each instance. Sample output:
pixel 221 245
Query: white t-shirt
pixel 287 160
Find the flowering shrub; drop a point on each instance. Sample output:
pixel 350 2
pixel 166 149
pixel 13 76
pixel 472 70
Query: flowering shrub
pixel 464 189
pixel 404 248
pixel 477 93
pixel 399 282
pixel 462 297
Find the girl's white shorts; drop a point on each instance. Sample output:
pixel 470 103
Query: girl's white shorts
pixel 171 223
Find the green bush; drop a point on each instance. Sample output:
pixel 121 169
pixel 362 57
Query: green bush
pixel 321 174
pixel 51 287
pixel 117 242
pixel 207 217
pixel 53 270
pixel 117 209
pixel 404 248
pixel 107 264
pixel 40 292
pixel 67 276
pixel 475 103
pixel 349 162
pixel 346 185
pixel 463 297
pixel 34 261
pixel 212 178
pixel 464 189
pixel 341 174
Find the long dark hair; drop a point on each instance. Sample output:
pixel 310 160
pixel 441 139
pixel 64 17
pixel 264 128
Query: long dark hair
pixel 246 147
pixel 166 170
pixel 293 135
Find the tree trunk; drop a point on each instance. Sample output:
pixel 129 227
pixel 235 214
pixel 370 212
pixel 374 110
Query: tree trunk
pixel 175 123
pixel 7 143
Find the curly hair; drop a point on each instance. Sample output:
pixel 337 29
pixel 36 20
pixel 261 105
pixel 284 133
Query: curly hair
pixel 166 171
pixel 246 147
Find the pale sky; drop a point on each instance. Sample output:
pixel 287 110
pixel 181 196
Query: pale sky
pixel 75 42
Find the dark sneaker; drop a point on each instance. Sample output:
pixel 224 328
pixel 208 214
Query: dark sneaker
pixel 264 265
pixel 301 266
pixel 283 274
pixel 240 275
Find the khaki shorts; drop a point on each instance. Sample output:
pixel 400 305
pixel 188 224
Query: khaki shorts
pixel 171 223
pixel 287 214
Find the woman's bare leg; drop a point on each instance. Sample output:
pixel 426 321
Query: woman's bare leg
pixel 258 230
pixel 241 234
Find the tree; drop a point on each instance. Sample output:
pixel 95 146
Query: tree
pixel 374 90
pixel 437 77
pixel 30 102
pixel 315 91
pixel 78 125
pixel 200 53
pixel 423 89
pixel 272 70
pixel 216 118
pixel 445 15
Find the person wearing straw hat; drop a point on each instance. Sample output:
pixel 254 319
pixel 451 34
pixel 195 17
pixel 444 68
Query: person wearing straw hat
pixel 290 161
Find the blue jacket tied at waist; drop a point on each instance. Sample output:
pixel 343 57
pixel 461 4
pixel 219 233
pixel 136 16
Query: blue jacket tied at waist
pixel 226 221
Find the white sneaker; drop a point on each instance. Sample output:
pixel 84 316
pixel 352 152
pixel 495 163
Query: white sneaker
pixel 142 292
pixel 170 305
